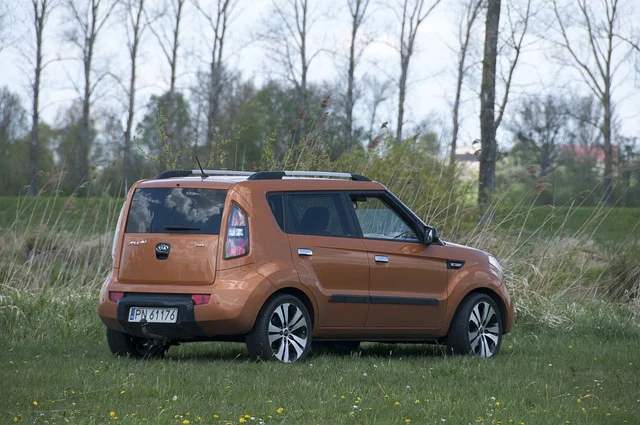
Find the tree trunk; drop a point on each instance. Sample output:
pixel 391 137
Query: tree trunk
pixel 404 63
pixel 608 151
pixel 39 18
pixel 486 183
pixel 350 80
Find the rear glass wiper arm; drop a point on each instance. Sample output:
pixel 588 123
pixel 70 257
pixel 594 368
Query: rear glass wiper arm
pixel 172 227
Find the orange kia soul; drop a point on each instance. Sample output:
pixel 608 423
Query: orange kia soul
pixel 279 259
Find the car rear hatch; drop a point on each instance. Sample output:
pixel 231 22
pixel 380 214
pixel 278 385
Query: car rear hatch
pixel 171 236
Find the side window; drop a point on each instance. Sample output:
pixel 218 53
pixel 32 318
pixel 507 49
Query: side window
pixel 275 203
pixel 379 221
pixel 321 214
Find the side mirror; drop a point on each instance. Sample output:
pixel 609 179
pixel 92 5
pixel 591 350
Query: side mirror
pixel 430 235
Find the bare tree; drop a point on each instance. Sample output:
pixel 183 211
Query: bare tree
pixel 6 18
pixel 414 13
pixel 540 127
pixel 471 9
pixel 41 10
pixel 87 19
pixel 598 54
pixel 168 35
pixel 288 46
pixel 219 21
pixel 136 26
pixel 489 122
pixel 357 12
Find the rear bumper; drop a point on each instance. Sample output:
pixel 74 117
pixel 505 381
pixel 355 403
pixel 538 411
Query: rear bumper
pixel 236 299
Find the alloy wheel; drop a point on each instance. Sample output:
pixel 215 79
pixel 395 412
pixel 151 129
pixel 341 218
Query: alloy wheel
pixel 288 332
pixel 484 330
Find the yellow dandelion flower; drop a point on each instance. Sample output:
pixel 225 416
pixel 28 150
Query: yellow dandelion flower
pixel 386 396
pixel 242 420
pixel 407 420
pixel 35 403
pixel 247 416
pixel 216 416
pixel 521 423
pixel 417 402
pixel 187 414
pixel 16 419
pixel 280 410
pixel 397 403
pixel 499 423
pixel 608 414
pixel 199 419
pixel 112 414
pixel 176 416
pixel 498 403
pixel 269 417
pixel 579 400
pixel 228 387
pixel 122 392
pixel 269 401
pixel 185 422
pixel 341 397
pixel 583 410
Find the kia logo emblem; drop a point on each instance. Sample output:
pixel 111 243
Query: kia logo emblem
pixel 163 248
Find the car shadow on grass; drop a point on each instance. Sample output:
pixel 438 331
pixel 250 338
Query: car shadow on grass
pixel 211 351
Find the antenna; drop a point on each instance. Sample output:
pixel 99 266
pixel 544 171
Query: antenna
pixel 204 176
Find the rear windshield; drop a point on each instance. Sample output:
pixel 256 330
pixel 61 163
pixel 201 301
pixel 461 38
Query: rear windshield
pixel 176 210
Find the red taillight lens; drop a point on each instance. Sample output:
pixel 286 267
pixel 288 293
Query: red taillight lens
pixel 237 243
pixel 115 296
pixel 200 299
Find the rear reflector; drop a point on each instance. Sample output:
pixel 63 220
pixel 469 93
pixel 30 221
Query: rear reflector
pixel 200 299
pixel 115 296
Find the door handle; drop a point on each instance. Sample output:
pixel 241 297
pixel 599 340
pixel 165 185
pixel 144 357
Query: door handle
pixel 305 251
pixel 381 259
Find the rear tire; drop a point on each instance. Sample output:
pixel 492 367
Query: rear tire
pixel 124 345
pixel 282 331
pixel 476 328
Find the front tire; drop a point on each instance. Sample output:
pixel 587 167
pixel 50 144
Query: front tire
pixel 476 328
pixel 282 331
pixel 124 345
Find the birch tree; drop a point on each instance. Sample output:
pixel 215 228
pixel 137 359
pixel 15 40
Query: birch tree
pixel 414 12
pixel 472 9
pixel 40 12
pixel 87 19
pixel 166 30
pixel 598 48
pixel 357 14
pixel 219 20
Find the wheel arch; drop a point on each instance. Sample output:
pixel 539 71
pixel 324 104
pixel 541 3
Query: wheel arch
pixel 493 295
pixel 298 293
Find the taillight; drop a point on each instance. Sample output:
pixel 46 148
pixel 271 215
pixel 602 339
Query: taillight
pixel 117 232
pixel 200 299
pixel 115 296
pixel 237 243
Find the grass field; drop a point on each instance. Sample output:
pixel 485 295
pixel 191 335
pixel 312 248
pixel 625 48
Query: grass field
pixel 570 359
pixel 56 369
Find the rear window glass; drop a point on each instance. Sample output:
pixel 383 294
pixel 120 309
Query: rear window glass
pixel 176 210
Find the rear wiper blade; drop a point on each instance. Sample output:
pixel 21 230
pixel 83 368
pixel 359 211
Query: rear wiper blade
pixel 170 227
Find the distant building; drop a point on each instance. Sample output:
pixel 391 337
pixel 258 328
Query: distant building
pixel 595 153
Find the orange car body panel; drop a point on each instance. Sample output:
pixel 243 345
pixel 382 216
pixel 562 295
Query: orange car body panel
pixel 336 280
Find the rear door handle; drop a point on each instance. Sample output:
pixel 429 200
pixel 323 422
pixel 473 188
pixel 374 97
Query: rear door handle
pixel 381 259
pixel 305 251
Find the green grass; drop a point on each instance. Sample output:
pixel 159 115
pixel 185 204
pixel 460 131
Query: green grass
pixel 53 352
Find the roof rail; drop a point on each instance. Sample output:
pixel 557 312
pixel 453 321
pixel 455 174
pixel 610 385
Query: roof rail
pixel 274 175
pixel 186 173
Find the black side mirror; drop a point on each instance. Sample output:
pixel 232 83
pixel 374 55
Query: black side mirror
pixel 430 235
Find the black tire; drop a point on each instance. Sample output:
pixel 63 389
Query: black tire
pixel 124 345
pixel 282 331
pixel 476 328
pixel 341 348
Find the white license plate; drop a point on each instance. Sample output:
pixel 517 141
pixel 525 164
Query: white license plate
pixel 153 315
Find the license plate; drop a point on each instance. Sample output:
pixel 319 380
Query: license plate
pixel 153 315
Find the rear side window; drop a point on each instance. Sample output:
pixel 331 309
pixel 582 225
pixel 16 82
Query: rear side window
pixel 321 214
pixel 176 210
pixel 275 203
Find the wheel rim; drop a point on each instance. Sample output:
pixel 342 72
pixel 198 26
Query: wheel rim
pixel 484 330
pixel 287 332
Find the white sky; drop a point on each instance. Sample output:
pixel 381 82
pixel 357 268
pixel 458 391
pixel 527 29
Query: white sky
pixel 432 72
